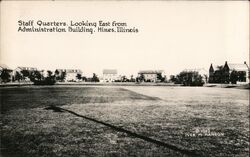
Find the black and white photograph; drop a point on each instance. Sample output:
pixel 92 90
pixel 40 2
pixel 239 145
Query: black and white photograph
pixel 124 78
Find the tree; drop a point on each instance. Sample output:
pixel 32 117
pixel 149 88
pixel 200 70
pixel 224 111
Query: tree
pixel 84 78
pixel 63 76
pixel 57 72
pixel 141 78
pixel 5 75
pixel 57 75
pixel 188 78
pixel 25 73
pixel 160 77
pixel 234 77
pixel 173 78
pixel 132 78
pixel 124 79
pixel 95 78
pixel 49 73
pixel 35 76
pixel 37 79
pixel 242 76
pixel 60 76
pixel 221 75
pixel 79 76
pixel 18 76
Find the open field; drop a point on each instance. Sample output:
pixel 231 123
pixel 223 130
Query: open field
pixel 207 121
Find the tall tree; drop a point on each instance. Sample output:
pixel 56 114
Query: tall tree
pixel 95 78
pixel 5 75
pixel 18 76
pixel 141 78
pixel 25 73
pixel 79 76
pixel 234 77
pixel 63 76
pixel 35 76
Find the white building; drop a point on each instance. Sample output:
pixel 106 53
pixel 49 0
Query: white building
pixel 151 75
pixel 109 75
pixel 71 74
pixel 240 68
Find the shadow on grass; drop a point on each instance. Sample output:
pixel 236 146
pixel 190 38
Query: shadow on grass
pixel 130 133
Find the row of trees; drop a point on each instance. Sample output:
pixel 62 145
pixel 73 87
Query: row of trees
pixel 38 77
pixel 159 78
pixel 185 78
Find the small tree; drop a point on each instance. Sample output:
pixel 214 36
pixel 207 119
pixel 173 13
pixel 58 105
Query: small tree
pixel 18 76
pixel 234 77
pixel 159 77
pixel 95 78
pixel 57 75
pixel 84 78
pixel 49 73
pixel 35 76
pixel 132 78
pixel 124 79
pixel 25 73
pixel 63 76
pixel 141 78
pixel 5 75
pixel 242 76
pixel 173 78
pixel 79 76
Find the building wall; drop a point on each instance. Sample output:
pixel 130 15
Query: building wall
pixel 71 77
pixel 109 77
pixel 151 77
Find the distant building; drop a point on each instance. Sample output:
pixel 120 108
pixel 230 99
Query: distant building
pixel 3 66
pixel 29 69
pixel 201 71
pixel 71 74
pixel 24 72
pixel 150 75
pixel 221 74
pixel 109 75
pixel 45 73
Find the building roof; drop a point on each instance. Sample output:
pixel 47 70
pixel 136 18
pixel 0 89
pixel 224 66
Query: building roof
pixel 238 67
pixel 109 71
pixel 150 72
pixel 27 68
pixel 216 67
pixel 70 70
pixel 3 66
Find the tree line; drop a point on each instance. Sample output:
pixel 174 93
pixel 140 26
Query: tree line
pixel 188 78
pixel 38 78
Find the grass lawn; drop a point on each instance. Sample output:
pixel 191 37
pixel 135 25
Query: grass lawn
pixel 209 121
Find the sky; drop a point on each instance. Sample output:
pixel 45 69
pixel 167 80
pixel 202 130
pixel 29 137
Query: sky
pixel 172 36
